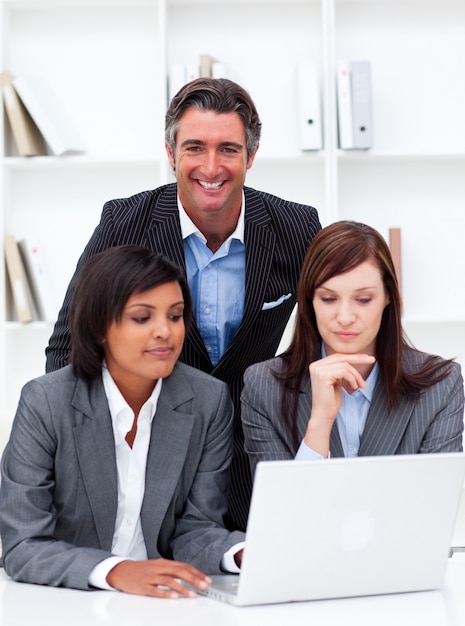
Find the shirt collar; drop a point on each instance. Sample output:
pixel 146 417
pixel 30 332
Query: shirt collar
pixel 189 228
pixel 116 402
pixel 371 383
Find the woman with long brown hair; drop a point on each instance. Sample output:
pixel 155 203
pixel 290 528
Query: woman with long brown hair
pixel 350 383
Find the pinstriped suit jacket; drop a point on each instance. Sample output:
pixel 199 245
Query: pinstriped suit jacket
pixel 277 234
pixel 432 422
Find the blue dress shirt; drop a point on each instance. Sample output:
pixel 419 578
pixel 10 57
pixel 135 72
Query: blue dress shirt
pixel 217 283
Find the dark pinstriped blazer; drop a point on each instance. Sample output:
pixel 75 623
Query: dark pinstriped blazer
pixel 431 422
pixel 277 234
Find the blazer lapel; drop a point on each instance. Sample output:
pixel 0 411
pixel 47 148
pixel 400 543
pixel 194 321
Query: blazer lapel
pixel 260 245
pixel 95 448
pixel 171 432
pixel 384 429
pixel 165 236
pixel 305 407
pixel 335 444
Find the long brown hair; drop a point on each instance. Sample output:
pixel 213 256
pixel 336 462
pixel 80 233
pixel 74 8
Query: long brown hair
pixel 335 250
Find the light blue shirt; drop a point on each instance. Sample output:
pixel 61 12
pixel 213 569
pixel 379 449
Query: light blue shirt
pixel 217 283
pixel 350 420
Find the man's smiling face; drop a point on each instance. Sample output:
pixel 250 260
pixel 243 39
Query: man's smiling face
pixel 210 162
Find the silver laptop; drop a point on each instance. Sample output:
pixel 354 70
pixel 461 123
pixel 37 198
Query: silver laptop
pixel 346 527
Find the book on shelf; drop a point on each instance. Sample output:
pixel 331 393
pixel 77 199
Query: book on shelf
pixel 39 283
pixel 181 73
pixel 344 106
pixel 18 280
pixel 206 65
pixel 49 114
pixel 309 113
pixel 27 137
pixel 212 68
pixel 396 252
pixel 354 105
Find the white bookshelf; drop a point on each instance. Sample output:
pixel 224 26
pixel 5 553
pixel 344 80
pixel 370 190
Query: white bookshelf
pixel 108 60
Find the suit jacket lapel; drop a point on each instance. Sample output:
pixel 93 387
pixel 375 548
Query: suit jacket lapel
pixel 335 443
pixel 171 431
pixel 305 407
pixel 165 236
pixel 95 448
pixel 384 429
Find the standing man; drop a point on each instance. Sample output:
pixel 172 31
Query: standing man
pixel 241 249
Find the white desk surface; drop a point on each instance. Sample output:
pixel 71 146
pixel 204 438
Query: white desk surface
pixel 24 605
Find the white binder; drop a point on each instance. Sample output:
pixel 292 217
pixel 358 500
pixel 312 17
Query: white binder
pixel 354 105
pixel 310 122
pixel 361 105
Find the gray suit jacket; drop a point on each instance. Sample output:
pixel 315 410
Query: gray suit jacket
pixel 58 495
pixel 432 422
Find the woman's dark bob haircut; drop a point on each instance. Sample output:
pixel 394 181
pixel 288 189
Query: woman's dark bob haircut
pixel 103 285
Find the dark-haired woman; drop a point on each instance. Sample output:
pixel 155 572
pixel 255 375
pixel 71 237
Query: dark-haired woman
pixel 116 471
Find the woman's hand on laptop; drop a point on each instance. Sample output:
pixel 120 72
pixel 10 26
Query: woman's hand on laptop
pixel 161 578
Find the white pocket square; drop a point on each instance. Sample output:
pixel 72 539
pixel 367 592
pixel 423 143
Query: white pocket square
pixel 272 305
